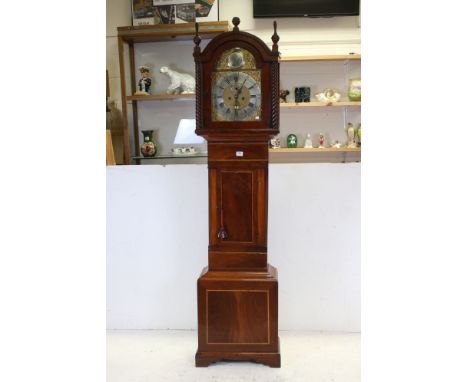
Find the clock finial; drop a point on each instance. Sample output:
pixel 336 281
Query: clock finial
pixel 275 38
pixel 236 22
pixel 196 40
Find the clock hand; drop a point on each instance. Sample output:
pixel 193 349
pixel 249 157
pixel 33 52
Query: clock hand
pixel 240 88
pixel 236 96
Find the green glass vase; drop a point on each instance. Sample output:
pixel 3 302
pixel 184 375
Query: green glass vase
pixel 291 141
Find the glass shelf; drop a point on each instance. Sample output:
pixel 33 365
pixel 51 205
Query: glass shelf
pixel 172 156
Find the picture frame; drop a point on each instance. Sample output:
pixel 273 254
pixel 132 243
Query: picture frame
pixel 142 12
pixel 160 12
pixel 174 11
pixel 207 10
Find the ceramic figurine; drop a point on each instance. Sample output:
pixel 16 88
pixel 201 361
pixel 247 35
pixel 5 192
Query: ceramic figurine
pixel 180 83
pixel 354 92
pixel 351 136
pixel 148 148
pixel 291 141
pixel 308 142
pixel 328 95
pixel 275 143
pixel 283 94
pixel 359 135
pixel 336 145
pixel 321 141
pixel 144 84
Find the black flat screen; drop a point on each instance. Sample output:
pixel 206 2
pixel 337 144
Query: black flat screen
pixel 305 8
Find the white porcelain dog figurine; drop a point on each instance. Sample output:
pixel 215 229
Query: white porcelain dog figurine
pixel 180 83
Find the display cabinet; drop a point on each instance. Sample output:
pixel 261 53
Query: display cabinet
pixel 128 38
pixel 318 71
pixel 298 118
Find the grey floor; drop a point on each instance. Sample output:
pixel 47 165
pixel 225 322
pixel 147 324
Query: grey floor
pixel 168 355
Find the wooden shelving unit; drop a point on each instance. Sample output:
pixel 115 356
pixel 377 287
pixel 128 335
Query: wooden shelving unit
pixel 320 104
pixel 303 155
pixel 132 35
pixel 342 57
pixel 314 155
pixel 316 150
pixel 162 97
pixel 168 32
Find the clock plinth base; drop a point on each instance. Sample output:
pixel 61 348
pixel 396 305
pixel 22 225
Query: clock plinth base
pixel 205 359
pixel 238 317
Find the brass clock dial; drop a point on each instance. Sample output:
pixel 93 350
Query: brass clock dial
pixel 236 96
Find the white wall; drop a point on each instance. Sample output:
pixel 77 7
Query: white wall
pixel 338 35
pixel 157 238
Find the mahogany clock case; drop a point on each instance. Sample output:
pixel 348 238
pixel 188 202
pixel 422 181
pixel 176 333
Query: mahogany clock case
pixel 238 291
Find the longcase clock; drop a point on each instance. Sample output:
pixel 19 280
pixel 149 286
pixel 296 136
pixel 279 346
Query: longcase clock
pixel 237 111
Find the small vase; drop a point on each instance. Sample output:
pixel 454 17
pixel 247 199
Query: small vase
pixel 291 141
pixel 148 148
